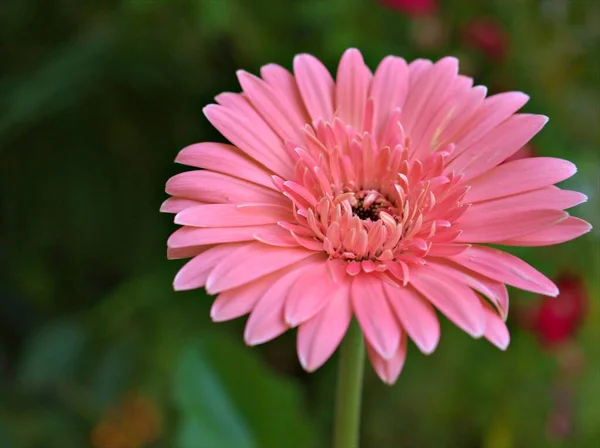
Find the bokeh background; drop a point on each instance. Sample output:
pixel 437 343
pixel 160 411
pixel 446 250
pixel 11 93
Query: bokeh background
pixel 96 350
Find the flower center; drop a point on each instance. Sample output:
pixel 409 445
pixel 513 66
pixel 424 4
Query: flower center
pixel 367 200
pixel 366 204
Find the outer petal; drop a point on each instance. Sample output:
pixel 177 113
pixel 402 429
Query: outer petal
pixel 495 328
pixel 495 291
pixel 311 293
pixel 270 107
pixel 465 106
pixel 496 146
pixel 566 230
pixel 416 315
pixel 494 110
pixel 239 301
pixel 503 224
pixel 319 336
pixel 428 91
pixel 211 187
pixel 252 262
pixel 388 369
pixel 374 315
pixel 436 101
pixel 198 236
pixel 458 302
pixel 266 319
pixel 232 215
pixel 285 87
pixel 243 127
pixel 316 86
pixel 175 204
pixel 352 84
pixel 225 159
pixel 505 268
pixel 388 89
pixel 461 98
pixel 195 272
pixel 545 198
pixel 519 176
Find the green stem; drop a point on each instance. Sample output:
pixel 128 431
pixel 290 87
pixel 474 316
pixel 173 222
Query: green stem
pixel 349 388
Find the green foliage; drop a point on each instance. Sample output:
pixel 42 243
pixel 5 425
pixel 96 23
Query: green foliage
pixel 228 398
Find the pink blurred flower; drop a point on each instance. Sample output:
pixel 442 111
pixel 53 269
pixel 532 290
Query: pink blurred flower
pixel 557 320
pixel 412 7
pixel 487 36
pixel 367 196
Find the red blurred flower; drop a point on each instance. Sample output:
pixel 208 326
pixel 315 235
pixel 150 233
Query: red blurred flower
pixel 412 7
pixel 488 36
pixel 558 319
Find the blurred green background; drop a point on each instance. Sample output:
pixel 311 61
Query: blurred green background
pixel 96 99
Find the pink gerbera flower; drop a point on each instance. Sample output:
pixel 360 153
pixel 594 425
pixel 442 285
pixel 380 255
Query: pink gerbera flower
pixel 367 196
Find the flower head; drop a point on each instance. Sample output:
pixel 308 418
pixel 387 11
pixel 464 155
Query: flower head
pixel 367 196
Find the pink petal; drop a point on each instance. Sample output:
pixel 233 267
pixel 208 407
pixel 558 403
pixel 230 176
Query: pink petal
pixel 446 250
pixel 244 128
pixel 458 302
pixel 253 261
pixel 496 146
pixel 416 316
pixel 505 268
pixel 319 336
pixel 441 112
pixel 310 293
pixel 198 236
pixel 495 328
pixel 239 301
pixel 279 237
pixel 446 70
pixel 225 159
pixel 494 110
pixel 495 291
pixel 175 205
pixel 519 176
pixel 269 106
pixel 388 89
pixel 544 198
pixel 374 315
pixel 566 230
pixel 464 106
pixel 352 84
pixel 503 224
pixel 388 369
pixel 285 87
pixel 428 91
pixel 195 272
pixel 316 86
pixel 211 187
pixel 232 215
pixel 416 69
pixel 266 319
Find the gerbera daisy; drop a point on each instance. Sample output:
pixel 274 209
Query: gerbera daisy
pixel 369 196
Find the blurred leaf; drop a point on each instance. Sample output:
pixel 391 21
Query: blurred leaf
pixel 273 405
pixel 51 354
pixel 111 373
pixel 270 406
pixel 209 418
pixel 61 80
